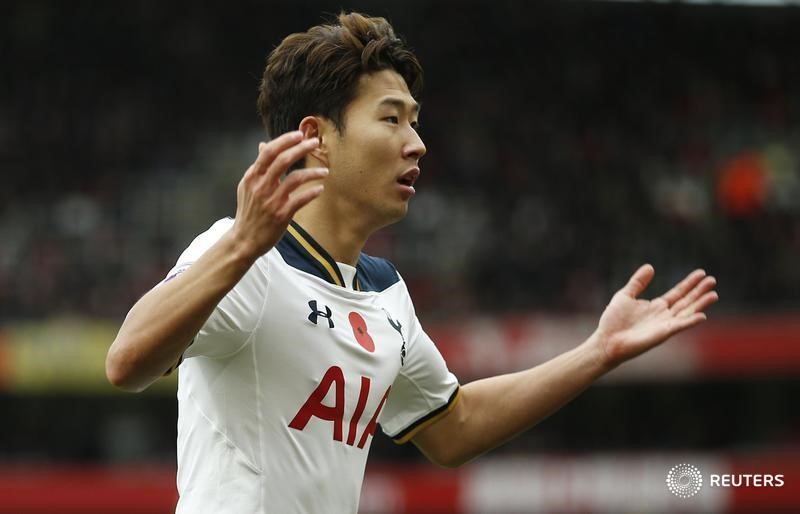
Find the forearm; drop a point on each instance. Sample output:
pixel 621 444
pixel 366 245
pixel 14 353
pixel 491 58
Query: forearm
pixel 164 321
pixel 493 410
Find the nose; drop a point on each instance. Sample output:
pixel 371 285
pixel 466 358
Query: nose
pixel 414 147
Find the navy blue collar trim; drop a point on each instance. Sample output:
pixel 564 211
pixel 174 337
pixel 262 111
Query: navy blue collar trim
pixel 301 251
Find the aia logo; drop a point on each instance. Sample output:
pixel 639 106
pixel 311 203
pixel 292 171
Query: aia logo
pixel 314 408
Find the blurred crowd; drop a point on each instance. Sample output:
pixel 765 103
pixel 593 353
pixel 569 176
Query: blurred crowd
pixel 567 143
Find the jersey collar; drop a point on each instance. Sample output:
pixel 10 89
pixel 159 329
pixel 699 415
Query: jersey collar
pixel 301 251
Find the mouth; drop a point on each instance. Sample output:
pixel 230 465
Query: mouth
pixel 409 177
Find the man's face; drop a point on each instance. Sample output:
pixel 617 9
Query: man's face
pixel 374 161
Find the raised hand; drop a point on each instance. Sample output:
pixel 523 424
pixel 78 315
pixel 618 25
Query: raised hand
pixel 630 326
pixel 265 204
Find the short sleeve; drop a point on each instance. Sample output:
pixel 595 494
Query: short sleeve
pixel 422 392
pixel 236 316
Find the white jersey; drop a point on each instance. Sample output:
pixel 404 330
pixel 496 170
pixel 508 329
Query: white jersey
pixel 281 390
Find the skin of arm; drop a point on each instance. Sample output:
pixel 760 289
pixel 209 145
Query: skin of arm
pixel 493 410
pixel 161 325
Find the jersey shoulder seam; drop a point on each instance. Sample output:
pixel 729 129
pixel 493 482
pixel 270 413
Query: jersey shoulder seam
pixel 256 326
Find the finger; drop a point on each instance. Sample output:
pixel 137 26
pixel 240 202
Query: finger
pixel 639 281
pixel 703 303
pixel 298 178
pixel 267 152
pixel 287 157
pixel 299 200
pixel 684 287
pixel 680 324
pixel 703 287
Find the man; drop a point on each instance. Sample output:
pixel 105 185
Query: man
pixel 293 345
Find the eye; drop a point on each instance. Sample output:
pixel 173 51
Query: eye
pixel 392 119
pixel 415 125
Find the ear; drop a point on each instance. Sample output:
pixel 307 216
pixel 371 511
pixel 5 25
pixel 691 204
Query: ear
pixel 314 126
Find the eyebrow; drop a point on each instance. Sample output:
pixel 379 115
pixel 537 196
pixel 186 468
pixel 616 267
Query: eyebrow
pixel 400 103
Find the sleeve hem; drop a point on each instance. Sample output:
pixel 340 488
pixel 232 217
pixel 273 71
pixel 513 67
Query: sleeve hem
pixel 180 360
pixel 428 419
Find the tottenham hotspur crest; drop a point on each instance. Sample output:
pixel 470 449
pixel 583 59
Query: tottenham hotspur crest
pixel 397 326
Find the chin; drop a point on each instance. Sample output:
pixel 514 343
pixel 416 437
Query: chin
pixel 402 211
pixel 394 215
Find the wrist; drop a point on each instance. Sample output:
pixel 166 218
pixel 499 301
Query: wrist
pixel 239 250
pixel 595 349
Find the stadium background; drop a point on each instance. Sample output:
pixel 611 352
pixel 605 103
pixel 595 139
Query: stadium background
pixel 567 143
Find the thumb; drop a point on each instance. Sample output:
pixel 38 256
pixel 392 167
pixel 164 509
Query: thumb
pixel 639 281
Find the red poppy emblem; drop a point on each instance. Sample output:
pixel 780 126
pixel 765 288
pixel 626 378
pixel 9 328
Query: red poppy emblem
pixel 360 331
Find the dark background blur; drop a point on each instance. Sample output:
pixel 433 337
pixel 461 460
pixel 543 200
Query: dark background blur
pixel 568 142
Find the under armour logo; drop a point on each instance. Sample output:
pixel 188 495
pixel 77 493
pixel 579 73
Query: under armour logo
pixel 397 326
pixel 327 313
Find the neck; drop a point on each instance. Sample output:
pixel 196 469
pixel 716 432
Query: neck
pixel 336 227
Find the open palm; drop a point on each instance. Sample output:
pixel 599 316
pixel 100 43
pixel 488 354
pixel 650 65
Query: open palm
pixel 630 326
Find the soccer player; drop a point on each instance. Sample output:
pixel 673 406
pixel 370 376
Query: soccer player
pixel 293 344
